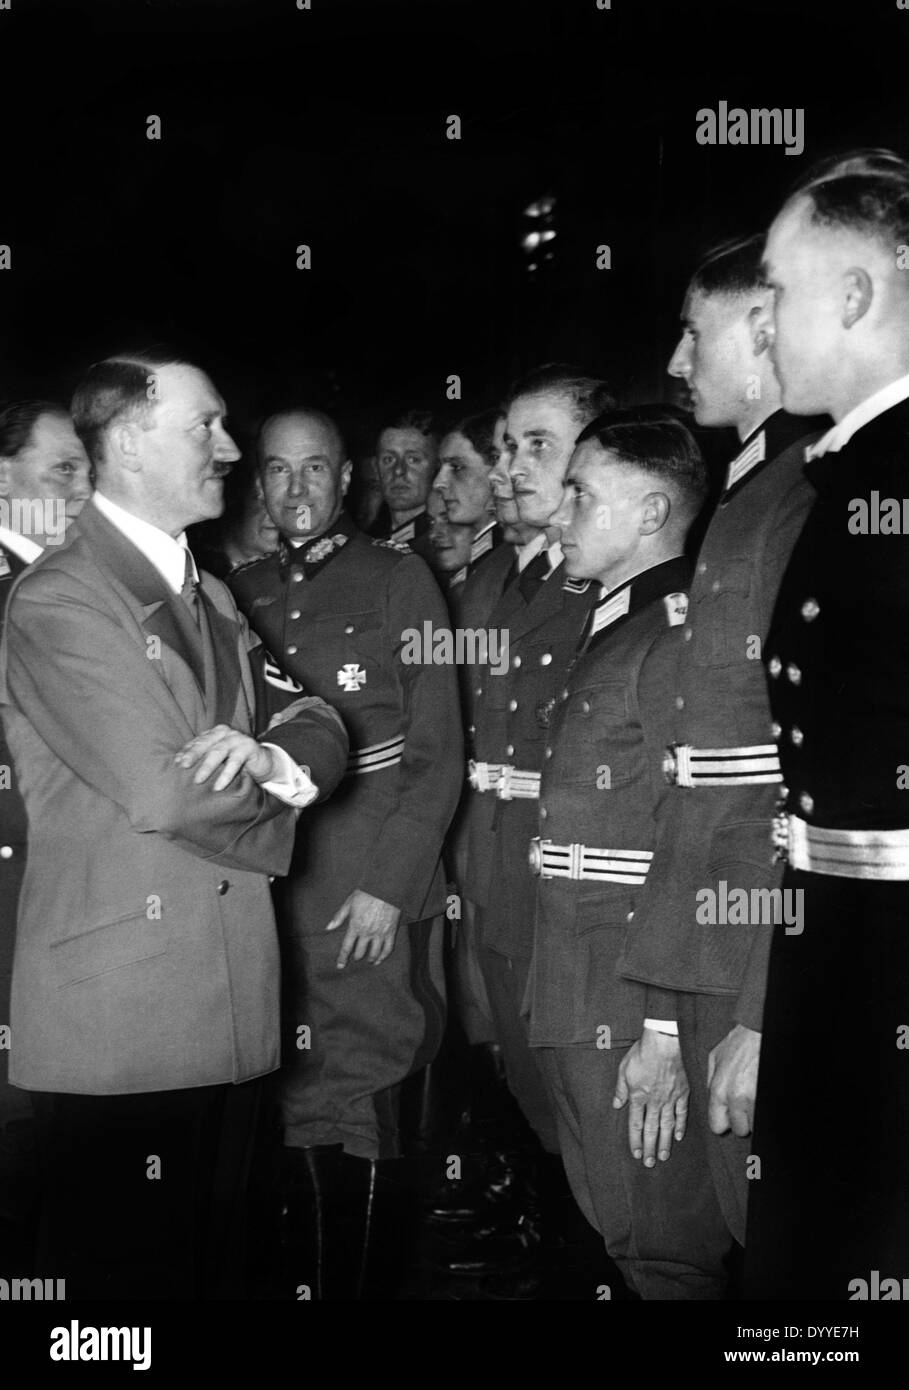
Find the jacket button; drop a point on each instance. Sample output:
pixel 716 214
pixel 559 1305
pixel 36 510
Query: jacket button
pixel 585 706
pixel 479 690
pixel 775 729
pixel 810 609
pixel 291 650
pixel 516 663
pixel 546 658
pixel 223 887
pixel 679 702
pixel 774 666
pixel 806 803
pixel 564 694
pixel 295 614
pixel 715 587
pixel 702 567
pixel 796 735
pixel 297 576
pixel 6 851
pixel 543 813
pixel 630 916
pixel 349 629
pixel 509 751
pixel 472 728
pixel 688 634
pixel 548 752
pixel 794 674
pixel 512 705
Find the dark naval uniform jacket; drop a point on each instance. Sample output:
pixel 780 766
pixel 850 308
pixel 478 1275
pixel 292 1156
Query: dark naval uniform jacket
pixel 720 830
pixel 602 781
pixel 542 616
pixel 837 660
pixel 336 614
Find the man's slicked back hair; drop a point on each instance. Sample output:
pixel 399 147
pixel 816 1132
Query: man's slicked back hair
pixel 654 439
pixel 588 395
pixel 118 388
pixel 867 159
pixel 875 205
pixel 732 268
pixel 479 430
pixel 18 420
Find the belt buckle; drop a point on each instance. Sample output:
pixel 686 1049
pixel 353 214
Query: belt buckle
pixel 781 832
pixel 535 856
pixel 671 764
pixel 503 788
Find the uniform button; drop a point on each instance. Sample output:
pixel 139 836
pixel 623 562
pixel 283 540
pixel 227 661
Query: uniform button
pixel 585 706
pixel 630 916
pixel 679 702
pixel 472 729
pixel 688 634
pixel 223 887
pixel 774 666
pixel 776 729
pixel 546 658
pixel 702 567
pixel 295 613
pixel 298 575
pixel 291 650
pixel 794 674
pixel 564 694
pixel 512 705
pixel 806 803
pixel 543 813
pixel 509 751
pixel 548 752
pixel 479 690
pixel 796 735
pixel 349 629
pixel 516 663
pixel 6 851
pixel 810 609
pixel 715 587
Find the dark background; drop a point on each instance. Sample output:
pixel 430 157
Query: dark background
pixel 327 127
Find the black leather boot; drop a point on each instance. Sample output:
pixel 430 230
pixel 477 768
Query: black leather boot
pixel 307 1185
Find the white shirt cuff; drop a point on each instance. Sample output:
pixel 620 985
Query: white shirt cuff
pixel 293 784
pixel 663 1025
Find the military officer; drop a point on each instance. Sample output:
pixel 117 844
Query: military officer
pixel 406 458
pixel 44 480
pixel 830 1215
pixel 706 975
pixel 364 997
pixel 466 456
pixel 635 483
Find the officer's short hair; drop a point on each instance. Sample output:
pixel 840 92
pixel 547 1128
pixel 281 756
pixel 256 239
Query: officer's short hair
pixel 867 159
pixel 312 413
pixel 875 205
pixel 654 439
pixel 118 388
pixel 18 420
pixel 479 430
pixel 731 268
pixel 588 395
pixel 415 419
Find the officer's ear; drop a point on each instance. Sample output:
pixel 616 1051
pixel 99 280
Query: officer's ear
pixel 655 509
pixel 124 437
pixel 346 471
pixel 758 327
pixel 258 489
pixel 858 292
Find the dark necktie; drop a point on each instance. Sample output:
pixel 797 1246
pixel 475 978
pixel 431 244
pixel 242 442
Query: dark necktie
pixel 532 575
pixel 189 592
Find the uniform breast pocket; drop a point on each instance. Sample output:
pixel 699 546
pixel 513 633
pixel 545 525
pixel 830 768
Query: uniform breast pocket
pixel 723 618
pixel 608 911
pixel 599 746
pixel 349 648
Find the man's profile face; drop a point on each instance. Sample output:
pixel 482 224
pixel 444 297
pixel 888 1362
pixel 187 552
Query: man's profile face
pixel 539 435
pixel 463 481
pixel 450 543
pixel 406 461
pixel 304 475
pixel 713 356
pixel 185 451
pixel 804 313
pixel 52 467
pixel 600 514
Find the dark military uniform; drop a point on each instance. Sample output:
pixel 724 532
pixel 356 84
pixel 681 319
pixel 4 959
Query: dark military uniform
pixel 15 1105
pixel 602 779
pixel 542 614
pixel 714 827
pixel 832 1125
pixel 414 533
pixel 334 613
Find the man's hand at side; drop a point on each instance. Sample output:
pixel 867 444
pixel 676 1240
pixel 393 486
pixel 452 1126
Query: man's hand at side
pixel 732 1072
pixel 653 1077
pixel 232 752
pixel 371 926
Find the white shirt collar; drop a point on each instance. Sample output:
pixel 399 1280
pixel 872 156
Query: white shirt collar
pixel 22 546
pixel 841 433
pixel 168 555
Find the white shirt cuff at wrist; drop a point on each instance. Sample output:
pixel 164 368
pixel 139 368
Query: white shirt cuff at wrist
pixel 293 784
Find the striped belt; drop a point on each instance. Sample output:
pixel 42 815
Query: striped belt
pixel 374 758
pixel 870 854
pixel 507 782
pixel 583 861
pixel 684 766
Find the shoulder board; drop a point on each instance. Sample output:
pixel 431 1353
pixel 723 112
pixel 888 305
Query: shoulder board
pixel 246 565
pixel 576 586
pixel 401 546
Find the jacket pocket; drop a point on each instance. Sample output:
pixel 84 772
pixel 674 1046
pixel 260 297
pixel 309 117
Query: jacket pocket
pixel 599 746
pixel 723 619
pixel 108 946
